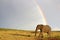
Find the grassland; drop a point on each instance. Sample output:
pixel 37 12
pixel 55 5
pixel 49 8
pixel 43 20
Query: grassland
pixel 10 34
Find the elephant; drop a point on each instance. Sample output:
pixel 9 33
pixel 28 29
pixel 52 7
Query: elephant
pixel 43 29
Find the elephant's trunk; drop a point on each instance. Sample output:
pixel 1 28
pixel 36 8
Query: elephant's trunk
pixel 35 31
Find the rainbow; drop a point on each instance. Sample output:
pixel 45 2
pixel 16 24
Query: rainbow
pixel 41 12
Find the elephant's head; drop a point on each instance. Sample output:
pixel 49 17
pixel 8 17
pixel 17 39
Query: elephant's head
pixel 39 26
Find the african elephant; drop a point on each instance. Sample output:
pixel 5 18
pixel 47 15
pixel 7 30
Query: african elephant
pixel 43 29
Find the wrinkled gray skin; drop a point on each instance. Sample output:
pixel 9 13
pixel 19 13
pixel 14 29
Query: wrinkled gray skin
pixel 43 29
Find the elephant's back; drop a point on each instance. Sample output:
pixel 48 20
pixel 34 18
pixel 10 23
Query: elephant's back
pixel 46 28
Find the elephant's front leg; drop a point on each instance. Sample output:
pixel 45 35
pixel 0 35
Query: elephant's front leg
pixel 41 34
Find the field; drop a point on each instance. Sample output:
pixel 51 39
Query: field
pixel 9 34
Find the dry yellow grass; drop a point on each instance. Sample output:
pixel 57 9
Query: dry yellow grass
pixel 21 35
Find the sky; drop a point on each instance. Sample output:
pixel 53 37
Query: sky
pixel 24 14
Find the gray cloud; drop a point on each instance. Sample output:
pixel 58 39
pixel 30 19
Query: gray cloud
pixel 23 14
pixel 19 14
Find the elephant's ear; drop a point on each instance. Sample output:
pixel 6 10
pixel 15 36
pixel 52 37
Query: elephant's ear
pixel 41 26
